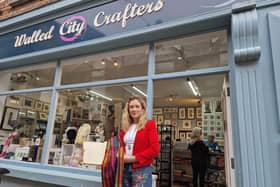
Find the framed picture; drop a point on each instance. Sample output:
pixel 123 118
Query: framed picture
pixel 205 128
pixel 182 113
pixel 212 129
pixel 157 111
pixel 174 123
pixel 9 118
pixel 174 116
pixel 13 101
pixel 159 119
pixel 218 106
pixel 207 107
pixel 170 110
pixel 31 114
pixel 76 113
pixel 58 118
pixel 39 105
pixel 28 102
pixel 219 129
pixel 219 123
pixel 212 117
pixel 21 152
pixel 190 113
pixel 182 134
pixel 212 123
pixel 22 112
pixel 198 112
pixel 43 116
pixel 205 123
pixel 189 135
pixel 218 116
pixel 187 124
pixel 206 116
pixel 199 124
pixel 46 107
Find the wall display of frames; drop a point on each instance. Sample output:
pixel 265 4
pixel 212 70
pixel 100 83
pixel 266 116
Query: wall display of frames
pixel 198 112
pixel 13 101
pixel 170 110
pixel 182 113
pixel 28 103
pixel 191 113
pixel 9 120
pixel 187 124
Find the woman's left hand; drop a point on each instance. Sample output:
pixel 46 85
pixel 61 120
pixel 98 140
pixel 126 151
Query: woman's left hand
pixel 129 159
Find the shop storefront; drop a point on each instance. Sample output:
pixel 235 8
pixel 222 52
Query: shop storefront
pixel 64 79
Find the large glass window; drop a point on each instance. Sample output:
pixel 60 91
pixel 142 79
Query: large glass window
pixel 87 114
pixel 27 77
pixel 24 120
pixel 192 52
pixel 125 63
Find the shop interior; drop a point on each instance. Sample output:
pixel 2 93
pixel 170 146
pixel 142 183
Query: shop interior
pixel 93 114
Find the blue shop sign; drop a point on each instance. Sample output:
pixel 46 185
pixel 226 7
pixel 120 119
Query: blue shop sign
pixel 112 18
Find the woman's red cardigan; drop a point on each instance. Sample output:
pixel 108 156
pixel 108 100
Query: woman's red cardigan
pixel 146 145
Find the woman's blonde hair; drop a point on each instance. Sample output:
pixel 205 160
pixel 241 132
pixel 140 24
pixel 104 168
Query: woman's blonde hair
pixel 196 132
pixel 127 119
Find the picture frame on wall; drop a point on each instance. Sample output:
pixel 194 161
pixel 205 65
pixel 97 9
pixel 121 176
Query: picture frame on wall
pixel 13 101
pixel 199 124
pixel 9 118
pixel 187 124
pixel 167 122
pixel 198 112
pixel 218 106
pixel 182 113
pixel 28 103
pixel 207 108
pixel 46 107
pixel 167 116
pixel 58 118
pixel 182 134
pixel 189 135
pixel 174 116
pixel 190 113
pixel 39 105
pixel 31 114
pixel 174 123
pixel 157 111
pixel 43 116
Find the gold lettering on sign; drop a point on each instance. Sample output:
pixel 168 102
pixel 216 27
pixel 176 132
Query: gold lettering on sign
pixel 36 36
pixel 131 11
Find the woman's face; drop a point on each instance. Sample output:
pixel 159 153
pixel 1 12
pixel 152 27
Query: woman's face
pixel 135 110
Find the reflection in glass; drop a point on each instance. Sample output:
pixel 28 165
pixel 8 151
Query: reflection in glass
pixel 192 52
pixel 126 63
pixel 27 77
pixel 23 125
pixel 87 115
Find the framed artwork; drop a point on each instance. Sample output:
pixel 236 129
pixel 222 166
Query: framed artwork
pixel 219 129
pixel 46 107
pixel 207 107
pixel 170 110
pixel 182 134
pixel 159 119
pixel 212 123
pixel 167 122
pixel 218 135
pixel 205 123
pixel 190 113
pixel 39 105
pixel 205 128
pixel 167 116
pixel 13 101
pixel 218 116
pixel 9 118
pixel 58 118
pixel 21 152
pixel 218 106
pixel 31 114
pixel 43 116
pixel 174 116
pixel 219 123
pixel 212 117
pixel 76 113
pixel 212 129
pixel 189 135
pixel 174 123
pixel 199 124
pixel 206 116
pixel 198 112
pixel 182 113
pixel 22 112
pixel 187 124
pixel 157 111
pixel 205 134
pixel 28 102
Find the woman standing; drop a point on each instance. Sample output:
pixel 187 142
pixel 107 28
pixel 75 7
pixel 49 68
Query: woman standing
pixel 140 139
pixel 199 157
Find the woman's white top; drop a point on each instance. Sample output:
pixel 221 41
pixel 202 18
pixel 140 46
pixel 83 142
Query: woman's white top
pixel 129 139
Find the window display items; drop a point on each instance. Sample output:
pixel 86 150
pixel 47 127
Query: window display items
pixel 7 144
pixel 69 135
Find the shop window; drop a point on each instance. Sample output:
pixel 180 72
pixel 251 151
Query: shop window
pixel 86 116
pixel 23 125
pixel 27 77
pixel 119 64
pixel 191 53
pixel 180 105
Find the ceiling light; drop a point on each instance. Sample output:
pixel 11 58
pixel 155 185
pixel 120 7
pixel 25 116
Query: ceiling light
pixel 180 58
pixel 139 91
pixel 102 61
pixel 37 78
pixel 193 87
pixel 116 63
pixel 170 98
pixel 100 95
pixel 86 61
